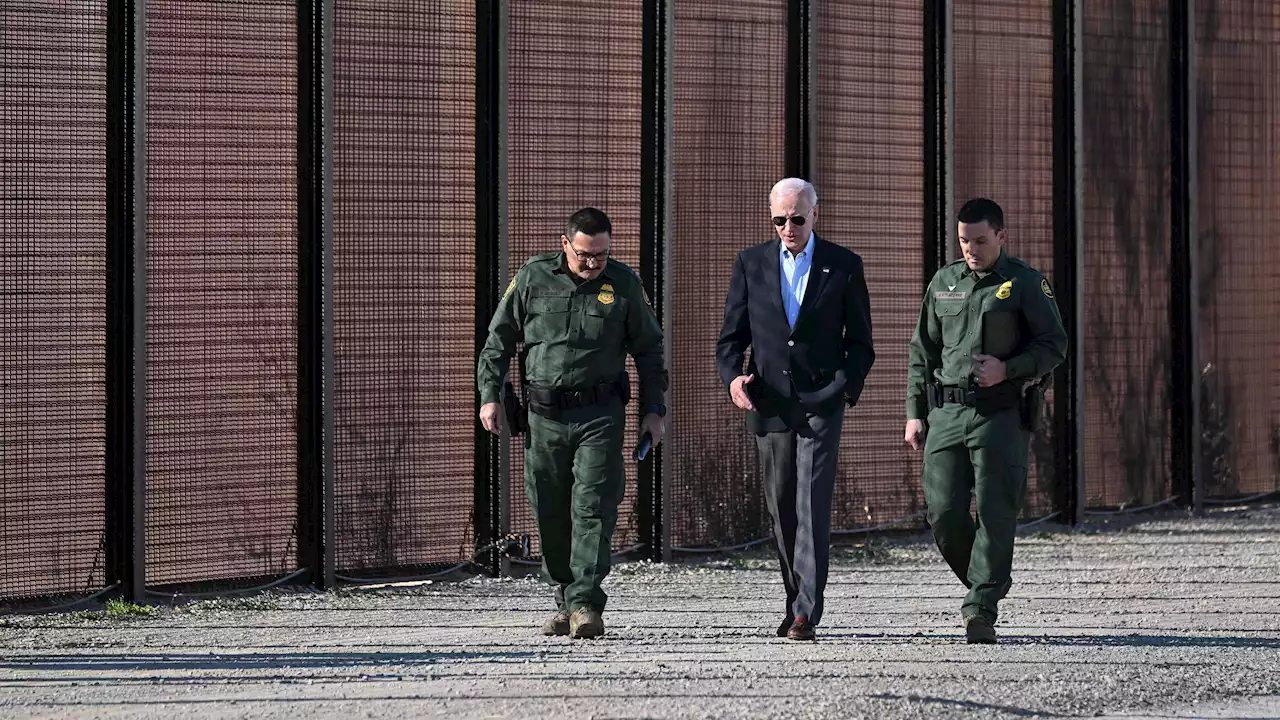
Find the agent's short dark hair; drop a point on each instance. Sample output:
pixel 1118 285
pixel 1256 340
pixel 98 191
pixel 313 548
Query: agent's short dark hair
pixel 589 221
pixel 979 209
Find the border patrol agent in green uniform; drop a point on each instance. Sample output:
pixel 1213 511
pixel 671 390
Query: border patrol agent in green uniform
pixel 987 341
pixel 579 314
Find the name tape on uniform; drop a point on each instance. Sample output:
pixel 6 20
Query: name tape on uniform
pixel 943 295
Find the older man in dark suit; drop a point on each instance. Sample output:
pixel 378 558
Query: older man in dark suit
pixel 801 304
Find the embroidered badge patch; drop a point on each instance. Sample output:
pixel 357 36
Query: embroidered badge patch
pixel 1044 288
pixel 606 294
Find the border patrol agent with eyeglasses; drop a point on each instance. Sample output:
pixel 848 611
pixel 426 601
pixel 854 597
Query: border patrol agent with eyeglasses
pixel 987 341
pixel 579 313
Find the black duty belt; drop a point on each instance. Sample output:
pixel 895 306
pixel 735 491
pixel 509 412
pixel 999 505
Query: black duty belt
pixel 563 398
pixel 985 400
pixel 959 395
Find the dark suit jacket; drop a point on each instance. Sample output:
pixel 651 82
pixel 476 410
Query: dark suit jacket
pixel 815 368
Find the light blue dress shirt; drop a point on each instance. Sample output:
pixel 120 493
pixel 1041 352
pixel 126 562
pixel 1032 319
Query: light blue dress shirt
pixel 795 277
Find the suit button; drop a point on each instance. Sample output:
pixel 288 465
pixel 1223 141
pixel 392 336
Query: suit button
pixel 786 372
pixel 791 343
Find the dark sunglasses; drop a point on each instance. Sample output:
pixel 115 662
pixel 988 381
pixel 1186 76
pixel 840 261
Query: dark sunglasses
pixel 796 220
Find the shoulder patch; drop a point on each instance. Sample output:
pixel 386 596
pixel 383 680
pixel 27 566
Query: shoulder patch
pixel 643 293
pixel 1044 288
pixel 639 282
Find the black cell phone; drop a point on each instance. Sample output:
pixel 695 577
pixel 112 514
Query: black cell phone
pixel 642 449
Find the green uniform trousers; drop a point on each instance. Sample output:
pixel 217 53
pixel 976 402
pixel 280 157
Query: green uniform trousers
pixel 574 477
pixel 967 455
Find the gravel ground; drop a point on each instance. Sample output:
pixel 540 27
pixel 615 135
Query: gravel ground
pixel 1146 616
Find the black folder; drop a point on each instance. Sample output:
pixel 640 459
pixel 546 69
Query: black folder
pixel 1000 333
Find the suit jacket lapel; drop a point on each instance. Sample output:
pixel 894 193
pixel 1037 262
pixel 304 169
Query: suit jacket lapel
pixel 773 278
pixel 818 273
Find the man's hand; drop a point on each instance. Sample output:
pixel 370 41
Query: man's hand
pixel 738 391
pixel 652 424
pixel 491 417
pixel 989 370
pixel 914 435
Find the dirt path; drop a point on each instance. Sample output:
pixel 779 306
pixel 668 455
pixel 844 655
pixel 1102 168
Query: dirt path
pixel 1142 617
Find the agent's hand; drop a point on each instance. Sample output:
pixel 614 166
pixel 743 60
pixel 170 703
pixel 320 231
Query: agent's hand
pixel 914 435
pixel 738 391
pixel 652 424
pixel 491 417
pixel 988 371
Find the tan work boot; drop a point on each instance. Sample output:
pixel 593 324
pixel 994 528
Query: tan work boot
pixel 585 623
pixel 978 630
pixel 557 624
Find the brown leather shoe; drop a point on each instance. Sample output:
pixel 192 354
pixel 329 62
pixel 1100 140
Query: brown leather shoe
pixel 585 623
pixel 800 629
pixel 557 624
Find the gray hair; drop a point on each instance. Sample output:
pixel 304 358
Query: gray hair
pixel 793 186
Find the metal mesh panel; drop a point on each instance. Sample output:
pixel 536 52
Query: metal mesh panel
pixel 573 134
pixel 221 290
pixel 52 296
pixel 1239 122
pixel 404 281
pixel 1003 55
pixel 1125 121
pixel 870 167
pixel 729 80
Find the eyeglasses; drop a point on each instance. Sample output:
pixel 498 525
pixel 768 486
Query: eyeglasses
pixel 584 256
pixel 796 220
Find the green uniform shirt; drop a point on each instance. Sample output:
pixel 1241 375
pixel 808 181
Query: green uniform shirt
pixel 576 334
pixel 949 331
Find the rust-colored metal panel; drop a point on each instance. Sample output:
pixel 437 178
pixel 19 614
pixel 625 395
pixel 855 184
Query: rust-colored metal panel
pixel 1238 63
pixel 221 290
pixel 1126 135
pixel 404 88
pixel 53 143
